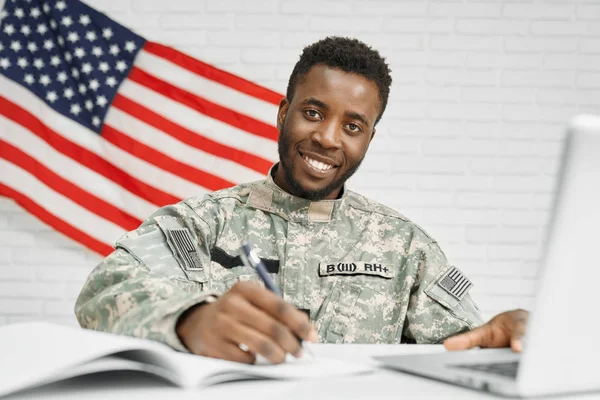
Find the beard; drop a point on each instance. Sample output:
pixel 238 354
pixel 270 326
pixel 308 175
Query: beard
pixel 284 149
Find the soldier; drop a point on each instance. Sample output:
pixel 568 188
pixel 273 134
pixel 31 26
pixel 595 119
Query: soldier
pixel 351 270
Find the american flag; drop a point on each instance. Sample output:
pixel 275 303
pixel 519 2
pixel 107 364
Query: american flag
pixel 99 127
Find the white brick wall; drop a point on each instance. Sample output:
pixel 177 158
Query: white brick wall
pixel 468 147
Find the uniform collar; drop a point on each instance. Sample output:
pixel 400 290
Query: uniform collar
pixel 267 196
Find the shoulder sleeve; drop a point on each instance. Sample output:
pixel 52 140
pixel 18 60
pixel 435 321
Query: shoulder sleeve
pixel 155 273
pixel 440 305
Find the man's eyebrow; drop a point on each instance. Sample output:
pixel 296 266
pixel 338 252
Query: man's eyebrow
pixel 360 117
pixel 315 102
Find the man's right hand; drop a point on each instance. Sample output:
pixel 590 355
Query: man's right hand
pixel 247 315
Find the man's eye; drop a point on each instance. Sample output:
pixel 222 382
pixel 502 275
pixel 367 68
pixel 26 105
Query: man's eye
pixel 312 113
pixel 354 127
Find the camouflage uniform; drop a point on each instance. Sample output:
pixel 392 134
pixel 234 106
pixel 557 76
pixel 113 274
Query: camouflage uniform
pixel 365 273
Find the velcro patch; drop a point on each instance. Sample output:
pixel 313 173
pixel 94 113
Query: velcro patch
pixel 356 268
pixel 455 283
pixel 184 244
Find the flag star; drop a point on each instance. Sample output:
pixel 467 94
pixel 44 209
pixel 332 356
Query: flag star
pixel 101 101
pixel 68 56
pixel 114 49
pixel 9 29
pixel 107 33
pixel 32 47
pixel 45 80
pixel 1 46
pixel 103 66
pixel 95 121
pixel 94 84
pixel 97 51
pixel 55 61
pixel 86 68
pixel 35 12
pixel 19 13
pixel 46 8
pixel 29 79
pixel 84 20
pixel 5 63
pixel 62 77
pixel 22 62
pixel 75 109
pixel 72 37
pixel 89 105
pixel 74 73
pixel 68 93
pixel 60 40
pixel 48 44
pixel 82 88
pixel 38 63
pixel 26 30
pixel 60 5
pixel 91 36
pixel 53 24
pixel 3 14
pixel 42 29
pixel 66 21
pixel 16 46
pixel 130 46
pixel 51 96
pixel 121 66
pixel 79 52
pixel 111 81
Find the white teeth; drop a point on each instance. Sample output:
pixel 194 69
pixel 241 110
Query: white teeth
pixel 318 165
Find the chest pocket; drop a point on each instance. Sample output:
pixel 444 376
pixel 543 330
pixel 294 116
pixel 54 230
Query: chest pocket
pixel 357 311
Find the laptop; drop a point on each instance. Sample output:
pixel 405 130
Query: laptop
pixel 561 350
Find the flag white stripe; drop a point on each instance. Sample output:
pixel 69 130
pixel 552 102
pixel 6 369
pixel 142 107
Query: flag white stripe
pixel 74 172
pixel 93 142
pixel 200 123
pixel 168 145
pixel 205 88
pixel 55 203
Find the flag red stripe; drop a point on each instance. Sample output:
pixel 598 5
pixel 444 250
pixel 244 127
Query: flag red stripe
pixel 55 222
pixel 204 106
pixel 58 184
pixel 155 157
pixel 212 73
pixel 84 156
pixel 189 137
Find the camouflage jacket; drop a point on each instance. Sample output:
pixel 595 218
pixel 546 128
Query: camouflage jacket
pixel 364 273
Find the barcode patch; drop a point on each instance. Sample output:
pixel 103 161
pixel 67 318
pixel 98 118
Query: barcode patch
pixel 455 283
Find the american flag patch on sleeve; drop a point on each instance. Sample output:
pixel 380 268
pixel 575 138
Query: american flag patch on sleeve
pixel 455 283
pixel 184 244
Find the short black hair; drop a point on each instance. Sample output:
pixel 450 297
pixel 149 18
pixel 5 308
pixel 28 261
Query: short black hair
pixel 349 55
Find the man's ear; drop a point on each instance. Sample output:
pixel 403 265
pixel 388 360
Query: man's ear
pixel 372 135
pixel 282 112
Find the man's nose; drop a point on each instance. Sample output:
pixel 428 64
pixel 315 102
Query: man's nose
pixel 328 135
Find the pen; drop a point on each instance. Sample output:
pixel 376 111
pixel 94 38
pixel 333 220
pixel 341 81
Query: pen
pixel 252 260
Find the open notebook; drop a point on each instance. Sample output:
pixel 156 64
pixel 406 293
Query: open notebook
pixel 37 353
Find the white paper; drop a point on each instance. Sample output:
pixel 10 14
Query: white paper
pixel 37 353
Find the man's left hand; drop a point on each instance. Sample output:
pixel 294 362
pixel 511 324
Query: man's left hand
pixel 504 330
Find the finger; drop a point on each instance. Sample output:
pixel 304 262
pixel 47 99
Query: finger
pixel 252 317
pixel 477 337
pixel 233 352
pixel 256 342
pixel 516 340
pixel 294 319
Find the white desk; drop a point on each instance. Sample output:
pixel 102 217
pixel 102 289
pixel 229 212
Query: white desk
pixel 381 384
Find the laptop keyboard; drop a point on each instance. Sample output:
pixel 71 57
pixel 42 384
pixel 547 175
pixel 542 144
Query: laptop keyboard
pixel 508 369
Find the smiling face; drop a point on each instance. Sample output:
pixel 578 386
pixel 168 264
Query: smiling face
pixel 325 131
